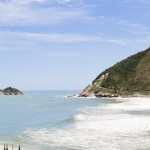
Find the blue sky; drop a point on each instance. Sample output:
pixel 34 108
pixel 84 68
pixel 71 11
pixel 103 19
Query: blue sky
pixel 65 44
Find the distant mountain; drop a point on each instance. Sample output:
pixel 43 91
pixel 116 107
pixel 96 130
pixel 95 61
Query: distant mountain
pixel 10 91
pixel 130 77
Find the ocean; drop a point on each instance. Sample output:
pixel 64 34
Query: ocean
pixel 46 120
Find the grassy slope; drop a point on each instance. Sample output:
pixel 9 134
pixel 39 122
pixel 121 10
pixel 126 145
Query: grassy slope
pixel 128 76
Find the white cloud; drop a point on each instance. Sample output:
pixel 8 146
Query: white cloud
pixel 15 39
pixel 17 12
pixel 129 26
pixel 71 3
pixel 139 1
pixel 132 25
pixel 27 2
pixel 72 54
pixel 57 38
pixel 142 40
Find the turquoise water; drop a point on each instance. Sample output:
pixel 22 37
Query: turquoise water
pixel 49 121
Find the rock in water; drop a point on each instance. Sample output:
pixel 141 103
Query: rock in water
pixel 10 91
pixel 130 77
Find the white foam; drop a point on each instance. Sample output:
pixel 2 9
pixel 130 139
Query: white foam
pixel 109 127
pixel 79 117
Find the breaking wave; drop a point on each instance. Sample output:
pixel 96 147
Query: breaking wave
pixel 111 127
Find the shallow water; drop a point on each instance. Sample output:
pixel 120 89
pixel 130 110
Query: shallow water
pixel 48 121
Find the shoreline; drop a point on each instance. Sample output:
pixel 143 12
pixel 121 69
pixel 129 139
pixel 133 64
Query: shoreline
pixel 119 97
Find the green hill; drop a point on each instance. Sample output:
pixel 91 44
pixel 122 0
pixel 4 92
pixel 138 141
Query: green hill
pixel 130 77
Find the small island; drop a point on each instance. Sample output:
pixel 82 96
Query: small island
pixel 128 78
pixel 10 91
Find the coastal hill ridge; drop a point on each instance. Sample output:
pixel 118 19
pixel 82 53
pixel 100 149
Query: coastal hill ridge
pixel 130 77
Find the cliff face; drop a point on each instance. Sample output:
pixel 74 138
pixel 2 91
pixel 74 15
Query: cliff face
pixel 130 77
pixel 10 91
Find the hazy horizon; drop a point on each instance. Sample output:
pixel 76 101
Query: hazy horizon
pixel 65 44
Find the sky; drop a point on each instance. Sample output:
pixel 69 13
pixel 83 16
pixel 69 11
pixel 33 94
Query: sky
pixel 65 44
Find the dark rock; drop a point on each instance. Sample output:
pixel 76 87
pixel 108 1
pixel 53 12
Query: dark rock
pixel 100 95
pixel 11 91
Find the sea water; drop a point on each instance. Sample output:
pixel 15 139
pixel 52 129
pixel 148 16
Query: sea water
pixel 49 121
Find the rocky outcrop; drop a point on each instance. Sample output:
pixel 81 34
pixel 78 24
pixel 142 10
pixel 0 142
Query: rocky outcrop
pixel 94 91
pixel 1 92
pixel 87 92
pixel 10 91
pixel 127 78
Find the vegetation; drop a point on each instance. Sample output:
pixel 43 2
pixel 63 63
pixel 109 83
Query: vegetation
pixel 127 77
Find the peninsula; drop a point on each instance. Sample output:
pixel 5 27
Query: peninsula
pixel 128 78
